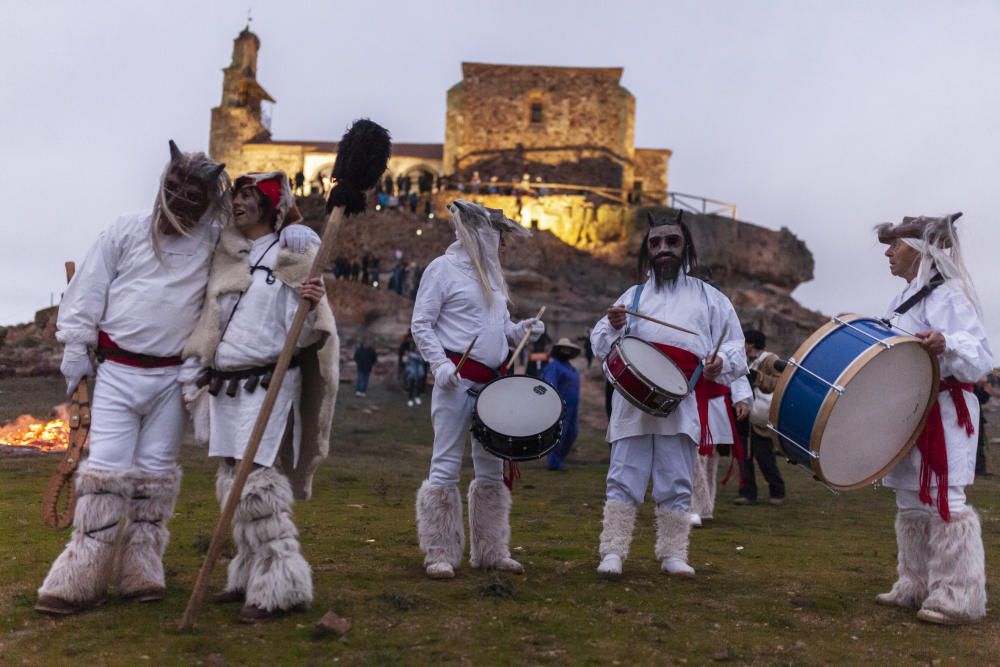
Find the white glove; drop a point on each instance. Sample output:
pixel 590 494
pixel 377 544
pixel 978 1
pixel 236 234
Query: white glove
pixel 75 365
pixel 189 371
pixel 297 238
pixel 532 324
pixel 445 377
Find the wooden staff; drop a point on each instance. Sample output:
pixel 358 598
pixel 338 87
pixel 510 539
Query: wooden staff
pixel 524 341
pixel 361 161
pixel 465 357
pixel 653 319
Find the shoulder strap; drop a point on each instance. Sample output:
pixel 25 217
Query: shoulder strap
pixel 634 306
pixel 936 281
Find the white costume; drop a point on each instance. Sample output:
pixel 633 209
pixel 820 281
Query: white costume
pixel 940 560
pixel 663 447
pixel 452 308
pixel 252 298
pixel 706 470
pixel 135 298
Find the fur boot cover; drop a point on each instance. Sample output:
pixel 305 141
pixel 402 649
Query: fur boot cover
pixel 439 524
pixel 489 527
pixel 82 572
pixel 956 571
pixel 269 566
pixel 146 535
pixel 619 521
pixel 912 540
pixel 672 531
pixel 706 473
pixel 238 570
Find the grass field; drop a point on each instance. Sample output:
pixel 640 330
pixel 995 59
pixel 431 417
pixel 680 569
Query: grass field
pixel 788 585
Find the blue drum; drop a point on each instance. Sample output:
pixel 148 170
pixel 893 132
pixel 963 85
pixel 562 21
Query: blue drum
pixel 853 400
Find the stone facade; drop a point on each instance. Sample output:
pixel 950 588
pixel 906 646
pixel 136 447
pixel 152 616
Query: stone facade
pixel 562 125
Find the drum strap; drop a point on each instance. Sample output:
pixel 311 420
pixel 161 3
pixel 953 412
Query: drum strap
pixel 634 307
pixel 936 281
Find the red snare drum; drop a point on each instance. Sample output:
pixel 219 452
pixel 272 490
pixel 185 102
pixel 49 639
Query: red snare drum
pixel 645 376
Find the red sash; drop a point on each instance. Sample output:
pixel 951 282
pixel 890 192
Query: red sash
pixel 109 350
pixel 704 391
pixel 473 370
pixel 934 449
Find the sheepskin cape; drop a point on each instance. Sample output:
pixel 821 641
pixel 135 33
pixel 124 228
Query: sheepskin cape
pixel 319 363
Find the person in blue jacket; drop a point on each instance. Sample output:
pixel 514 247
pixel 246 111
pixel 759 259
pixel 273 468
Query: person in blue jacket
pixel 559 372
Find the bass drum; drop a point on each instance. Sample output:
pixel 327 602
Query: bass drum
pixel 518 418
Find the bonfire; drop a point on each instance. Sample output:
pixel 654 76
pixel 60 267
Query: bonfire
pixel 27 431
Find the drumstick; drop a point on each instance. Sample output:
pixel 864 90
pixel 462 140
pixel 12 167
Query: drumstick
pixel 468 351
pixel 722 337
pixel 653 319
pixel 524 338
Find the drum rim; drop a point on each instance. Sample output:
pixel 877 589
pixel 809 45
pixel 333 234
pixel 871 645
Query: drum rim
pixel 830 401
pixel 476 417
pixel 643 377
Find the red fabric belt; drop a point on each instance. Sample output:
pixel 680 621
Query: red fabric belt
pixel 108 350
pixel 473 370
pixel 704 391
pixel 934 449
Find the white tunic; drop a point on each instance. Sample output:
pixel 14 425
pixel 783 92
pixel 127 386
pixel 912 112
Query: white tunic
pixel 718 415
pixel 967 357
pixel 146 304
pixel 450 310
pixel 254 337
pixel 694 305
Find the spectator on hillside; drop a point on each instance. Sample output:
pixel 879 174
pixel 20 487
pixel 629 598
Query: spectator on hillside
pixel 300 182
pixel 365 357
pixel 355 270
pixel 387 184
pixel 414 200
pixel 413 376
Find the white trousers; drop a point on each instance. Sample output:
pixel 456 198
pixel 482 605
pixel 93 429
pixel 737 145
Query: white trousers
pixel 910 500
pixel 669 459
pixel 451 415
pixel 137 417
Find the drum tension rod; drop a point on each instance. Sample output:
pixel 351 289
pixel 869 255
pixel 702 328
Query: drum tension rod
pixel 811 454
pixel 835 387
pixel 863 333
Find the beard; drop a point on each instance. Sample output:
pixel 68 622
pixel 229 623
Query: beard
pixel 666 268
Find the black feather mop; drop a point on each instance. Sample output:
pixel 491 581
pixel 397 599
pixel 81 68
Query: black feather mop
pixel 362 155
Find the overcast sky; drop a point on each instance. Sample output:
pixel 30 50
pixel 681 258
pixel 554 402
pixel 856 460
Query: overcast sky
pixel 823 117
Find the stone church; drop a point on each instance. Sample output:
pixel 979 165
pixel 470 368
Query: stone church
pixel 557 127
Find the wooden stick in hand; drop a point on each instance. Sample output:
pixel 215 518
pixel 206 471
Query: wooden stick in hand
pixel 465 357
pixel 653 319
pixel 524 339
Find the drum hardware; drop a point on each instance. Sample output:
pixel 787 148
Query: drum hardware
pixel 811 454
pixel 514 421
pixel 634 367
pixel 834 387
pixel 863 333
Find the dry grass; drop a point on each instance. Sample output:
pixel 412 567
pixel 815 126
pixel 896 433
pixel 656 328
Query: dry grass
pixel 789 585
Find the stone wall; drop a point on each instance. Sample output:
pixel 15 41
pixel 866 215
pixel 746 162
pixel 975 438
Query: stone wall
pixel 491 109
pixel 651 167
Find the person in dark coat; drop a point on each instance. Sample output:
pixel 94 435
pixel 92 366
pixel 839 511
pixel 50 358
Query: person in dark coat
pixel 561 374
pixel 366 358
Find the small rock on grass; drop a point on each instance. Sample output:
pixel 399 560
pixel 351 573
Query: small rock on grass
pixel 331 624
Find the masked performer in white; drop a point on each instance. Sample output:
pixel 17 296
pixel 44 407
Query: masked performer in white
pixel 723 413
pixel 665 447
pixel 253 294
pixel 135 299
pixel 940 561
pixel 462 295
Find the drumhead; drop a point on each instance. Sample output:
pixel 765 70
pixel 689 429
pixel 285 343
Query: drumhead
pixel 877 416
pixel 519 406
pixel 655 366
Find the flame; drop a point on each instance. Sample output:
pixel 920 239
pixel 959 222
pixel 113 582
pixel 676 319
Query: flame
pixel 26 431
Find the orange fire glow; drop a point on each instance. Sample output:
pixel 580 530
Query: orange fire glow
pixel 26 431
